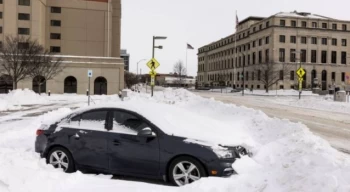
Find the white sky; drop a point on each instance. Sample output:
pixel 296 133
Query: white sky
pixel 199 22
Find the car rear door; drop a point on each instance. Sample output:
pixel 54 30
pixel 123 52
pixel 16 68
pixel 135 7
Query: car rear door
pixel 130 153
pixel 88 139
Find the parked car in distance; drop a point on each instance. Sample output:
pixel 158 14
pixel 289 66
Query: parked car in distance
pixel 119 141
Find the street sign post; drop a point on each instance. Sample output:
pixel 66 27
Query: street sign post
pixel 153 64
pixel 300 73
pixel 89 74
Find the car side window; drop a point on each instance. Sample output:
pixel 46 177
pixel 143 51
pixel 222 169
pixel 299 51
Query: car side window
pixel 127 123
pixel 94 120
pixel 75 121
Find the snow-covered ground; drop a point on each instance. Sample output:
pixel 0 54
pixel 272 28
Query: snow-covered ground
pixel 287 156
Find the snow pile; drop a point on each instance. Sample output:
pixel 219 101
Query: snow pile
pixel 324 103
pixel 287 156
pixel 280 92
pixel 17 98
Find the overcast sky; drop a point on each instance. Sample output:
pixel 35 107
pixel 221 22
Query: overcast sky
pixel 199 22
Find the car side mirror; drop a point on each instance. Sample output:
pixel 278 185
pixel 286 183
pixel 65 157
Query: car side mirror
pixel 146 132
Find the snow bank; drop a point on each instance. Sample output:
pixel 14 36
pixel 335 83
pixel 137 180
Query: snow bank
pixel 324 103
pixel 17 98
pixel 287 156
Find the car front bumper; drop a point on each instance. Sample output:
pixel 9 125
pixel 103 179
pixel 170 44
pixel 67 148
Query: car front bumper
pixel 221 168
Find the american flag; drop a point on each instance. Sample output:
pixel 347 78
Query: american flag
pixel 189 46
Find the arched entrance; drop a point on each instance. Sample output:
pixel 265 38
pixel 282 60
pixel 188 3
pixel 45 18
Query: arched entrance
pixel 6 84
pixel 313 76
pixel 100 86
pixel 70 85
pixel 324 80
pixel 39 84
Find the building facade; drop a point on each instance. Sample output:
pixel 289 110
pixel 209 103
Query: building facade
pixel 126 57
pixel 318 44
pixel 85 33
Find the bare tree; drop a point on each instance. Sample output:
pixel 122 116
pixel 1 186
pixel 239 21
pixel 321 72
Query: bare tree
pixel 270 73
pixel 47 66
pixel 130 79
pixel 17 57
pixel 180 70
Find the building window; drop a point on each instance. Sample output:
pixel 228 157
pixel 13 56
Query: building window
pixel 253 43
pixel 54 49
pixel 314 25
pixel 24 2
pixel 282 55
pixel 293 39
pixel 23 45
pixel 248 59
pixel 304 24
pixel 281 75
pixel 23 16
pixel 267 55
pixel 292 75
pixel 0 29
pixel 254 58
pixel 267 24
pixel 324 57
pixel 313 56
pixel 55 36
pixel 343 42
pixel 334 42
pixel 344 27
pixel 283 23
pixel 267 40
pixel 303 56
pixel 324 41
pixel 314 40
pixel 260 26
pixel 324 25
pixel 254 29
pixel 248 46
pixel 282 39
pixel 342 76
pixel 260 57
pixel 333 76
pixel 303 40
pixel 334 26
pixel 292 55
pixel 23 31
pixel 56 23
pixel 293 23
pixel 260 42
pixel 0 1
pixel 0 15
pixel 259 77
pixel 55 9
pixel 334 57
pixel 343 57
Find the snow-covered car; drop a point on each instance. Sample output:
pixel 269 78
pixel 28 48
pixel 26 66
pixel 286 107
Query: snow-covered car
pixel 122 141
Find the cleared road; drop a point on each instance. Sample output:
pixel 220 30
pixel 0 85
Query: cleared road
pixel 334 127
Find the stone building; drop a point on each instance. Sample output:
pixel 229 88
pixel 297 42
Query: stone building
pixel 317 43
pixel 84 33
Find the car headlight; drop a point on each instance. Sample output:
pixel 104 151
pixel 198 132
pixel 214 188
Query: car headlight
pixel 223 153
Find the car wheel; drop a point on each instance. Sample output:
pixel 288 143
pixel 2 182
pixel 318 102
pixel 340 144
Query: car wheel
pixel 61 158
pixel 185 170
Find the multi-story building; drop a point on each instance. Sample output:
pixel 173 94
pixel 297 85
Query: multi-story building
pixel 85 33
pixel 317 43
pixel 126 56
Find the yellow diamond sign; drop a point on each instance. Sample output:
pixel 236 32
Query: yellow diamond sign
pixel 153 64
pixel 301 72
pixel 153 73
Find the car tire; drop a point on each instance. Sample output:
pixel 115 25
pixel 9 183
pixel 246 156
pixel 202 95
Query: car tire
pixel 60 157
pixel 185 170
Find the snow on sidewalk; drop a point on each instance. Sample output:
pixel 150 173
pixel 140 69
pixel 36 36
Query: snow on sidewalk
pixel 287 156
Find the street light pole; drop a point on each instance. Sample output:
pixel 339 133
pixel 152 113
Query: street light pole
pixel 154 47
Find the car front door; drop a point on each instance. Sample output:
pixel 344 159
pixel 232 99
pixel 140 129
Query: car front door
pixel 131 153
pixel 88 140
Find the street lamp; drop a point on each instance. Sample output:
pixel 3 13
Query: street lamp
pixel 156 47
pixel 137 72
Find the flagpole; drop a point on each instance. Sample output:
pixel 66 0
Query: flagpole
pixel 186 58
pixel 235 51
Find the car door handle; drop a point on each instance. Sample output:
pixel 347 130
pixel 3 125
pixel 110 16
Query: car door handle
pixel 116 142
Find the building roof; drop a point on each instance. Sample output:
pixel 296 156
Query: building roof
pixel 305 15
pixel 251 18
